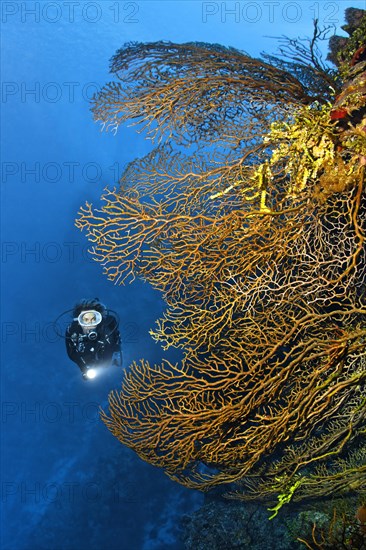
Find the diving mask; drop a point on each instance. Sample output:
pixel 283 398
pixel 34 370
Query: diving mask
pixel 90 318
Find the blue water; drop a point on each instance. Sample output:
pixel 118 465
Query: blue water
pixel 67 484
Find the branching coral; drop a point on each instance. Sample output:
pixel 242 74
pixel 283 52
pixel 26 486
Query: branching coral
pixel 257 244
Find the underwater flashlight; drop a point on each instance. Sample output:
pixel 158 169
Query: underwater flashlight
pixel 91 373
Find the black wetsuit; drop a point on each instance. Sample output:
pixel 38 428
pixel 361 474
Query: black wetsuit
pixel 86 352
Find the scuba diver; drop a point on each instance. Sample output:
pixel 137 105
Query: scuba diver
pixel 93 339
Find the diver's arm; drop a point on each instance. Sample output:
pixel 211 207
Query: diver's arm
pixel 72 352
pixel 117 358
pixel 69 345
pixel 114 335
pixel 81 364
pixel 116 344
pixel 79 360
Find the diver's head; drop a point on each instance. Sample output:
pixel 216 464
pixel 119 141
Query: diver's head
pixel 89 304
pixel 89 320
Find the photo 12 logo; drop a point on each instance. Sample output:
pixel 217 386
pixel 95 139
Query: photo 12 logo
pixel 51 252
pixel 35 332
pixel 67 492
pixel 48 92
pixel 53 172
pixel 49 412
pixel 70 12
pixel 326 13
